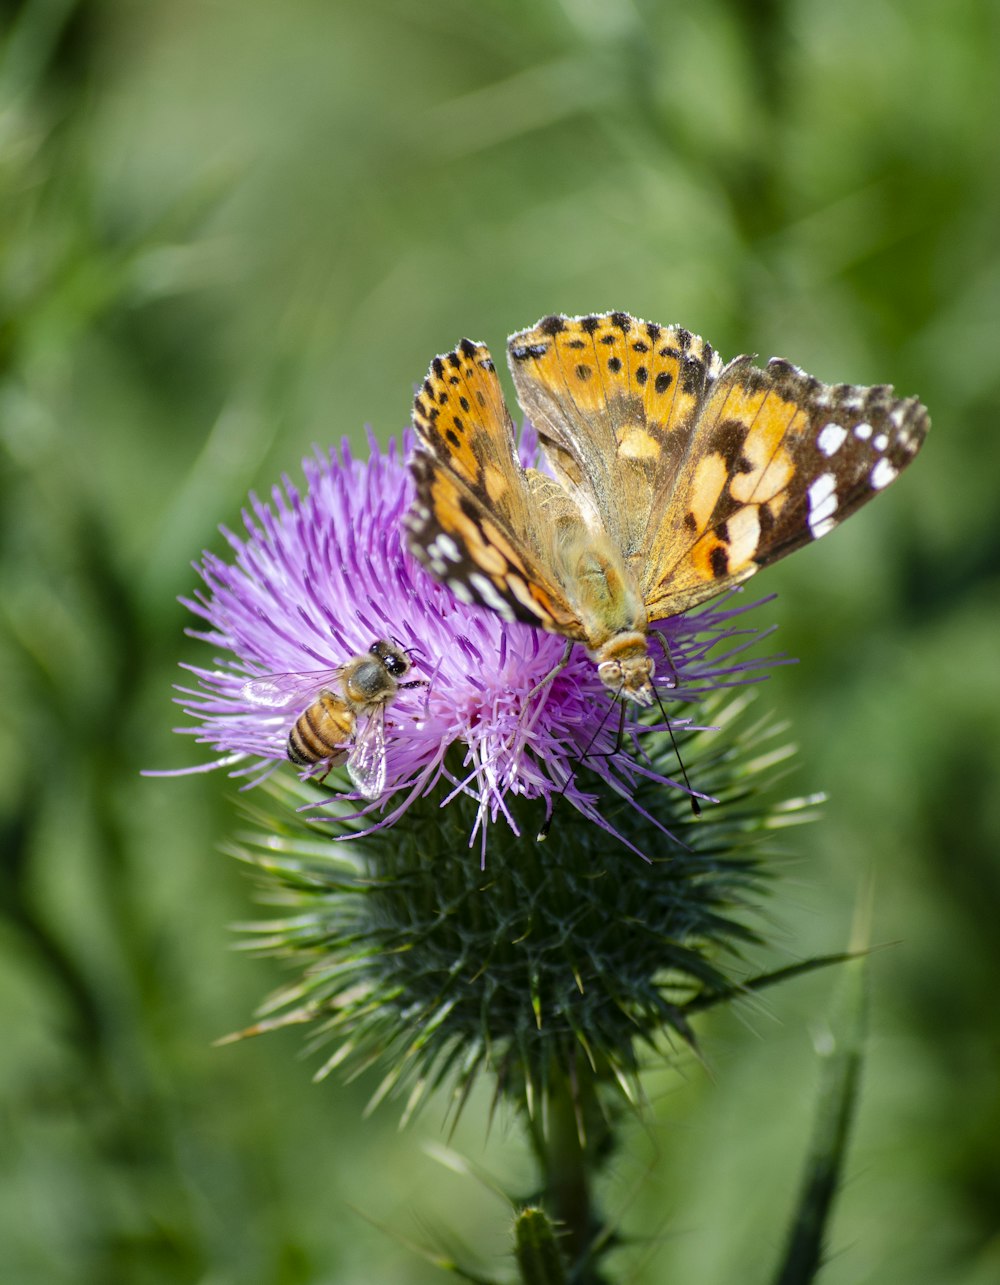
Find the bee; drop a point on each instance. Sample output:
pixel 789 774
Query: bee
pixel 325 731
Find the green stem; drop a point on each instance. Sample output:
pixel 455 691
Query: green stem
pixel 571 1145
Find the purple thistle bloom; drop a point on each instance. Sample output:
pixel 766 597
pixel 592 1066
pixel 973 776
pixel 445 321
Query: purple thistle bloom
pixel 322 575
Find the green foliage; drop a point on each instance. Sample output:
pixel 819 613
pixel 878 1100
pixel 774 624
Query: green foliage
pixel 844 1052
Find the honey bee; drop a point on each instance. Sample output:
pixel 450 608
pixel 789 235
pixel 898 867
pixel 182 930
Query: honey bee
pixel 325 731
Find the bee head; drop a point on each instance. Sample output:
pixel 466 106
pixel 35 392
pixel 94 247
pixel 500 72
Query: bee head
pixel 393 659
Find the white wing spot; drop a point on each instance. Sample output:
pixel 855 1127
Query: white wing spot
pixel 880 442
pixel 443 546
pixel 862 432
pixel 488 595
pixel 822 505
pixel 882 474
pixel 461 591
pixel 831 438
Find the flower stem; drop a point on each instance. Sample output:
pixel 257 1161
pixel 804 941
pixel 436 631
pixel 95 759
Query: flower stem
pixel 571 1146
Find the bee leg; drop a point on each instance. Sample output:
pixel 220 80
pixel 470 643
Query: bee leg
pixel 334 760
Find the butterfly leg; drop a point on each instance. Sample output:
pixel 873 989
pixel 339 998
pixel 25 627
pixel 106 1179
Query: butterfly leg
pixel 674 683
pixel 556 669
pixel 674 677
pixel 586 754
pixel 528 716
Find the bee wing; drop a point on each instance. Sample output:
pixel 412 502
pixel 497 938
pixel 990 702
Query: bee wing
pixel 366 764
pixel 278 690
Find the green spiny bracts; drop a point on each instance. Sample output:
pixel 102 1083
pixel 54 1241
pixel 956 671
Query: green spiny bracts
pixel 571 957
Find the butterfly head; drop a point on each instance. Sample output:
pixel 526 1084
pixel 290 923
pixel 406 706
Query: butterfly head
pixel 625 667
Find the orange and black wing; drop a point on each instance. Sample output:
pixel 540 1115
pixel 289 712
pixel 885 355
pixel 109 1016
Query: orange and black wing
pixel 480 522
pixel 615 401
pixel 775 460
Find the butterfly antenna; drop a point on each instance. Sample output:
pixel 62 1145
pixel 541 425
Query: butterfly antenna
pixel 695 805
pixel 543 833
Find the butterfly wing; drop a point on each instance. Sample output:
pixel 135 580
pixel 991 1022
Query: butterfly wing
pixel 480 522
pixel 614 400
pixel 775 460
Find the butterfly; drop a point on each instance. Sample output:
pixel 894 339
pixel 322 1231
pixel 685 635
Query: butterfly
pixel 672 477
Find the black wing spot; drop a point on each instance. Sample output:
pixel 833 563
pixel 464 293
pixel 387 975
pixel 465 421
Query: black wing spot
pixel 590 324
pixel 663 381
pixel 653 330
pixel 728 440
pixel 614 365
pixel 552 325
pixel 456 420
pixel 437 365
pixel 453 359
pixel 622 320
pixel 522 352
pixel 719 559
pixel 754 380
pixel 641 374
pixel 639 346
pixel 583 372
pixel 575 343
pixel 464 403
pixel 609 339
pixel 690 521
pixel 453 437
pixel 692 375
pixel 468 347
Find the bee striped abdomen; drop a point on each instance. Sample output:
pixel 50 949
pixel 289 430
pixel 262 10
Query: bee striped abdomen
pixel 321 731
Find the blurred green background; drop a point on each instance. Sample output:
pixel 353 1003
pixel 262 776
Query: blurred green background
pixel 229 230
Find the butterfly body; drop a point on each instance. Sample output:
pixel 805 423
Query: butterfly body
pixel 673 477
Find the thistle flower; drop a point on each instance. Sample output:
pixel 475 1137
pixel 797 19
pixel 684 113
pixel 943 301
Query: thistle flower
pixel 320 576
pixel 558 968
